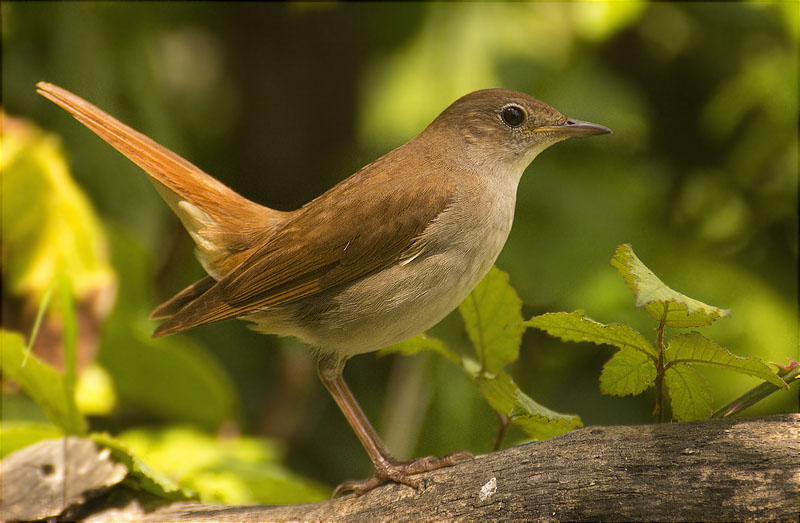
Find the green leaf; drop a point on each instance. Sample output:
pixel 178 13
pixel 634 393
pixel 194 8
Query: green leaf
pixel 574 326
pixel 48 225
pixel 536 420
pixel 628 372
pixel 44 384
pixel 693 347
pixel 70 333
pixel 492 315
pixel 422 343
pixel 19 434
pixel 231 470
pixel 145 477
pixel 678 310
pixel 690 393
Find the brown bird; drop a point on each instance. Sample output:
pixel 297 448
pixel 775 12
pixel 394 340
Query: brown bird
pixel 382 256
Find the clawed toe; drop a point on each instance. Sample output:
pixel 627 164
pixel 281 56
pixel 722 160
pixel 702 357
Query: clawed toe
pixel 401 472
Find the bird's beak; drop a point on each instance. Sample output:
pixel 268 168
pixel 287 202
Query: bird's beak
pixel 573 127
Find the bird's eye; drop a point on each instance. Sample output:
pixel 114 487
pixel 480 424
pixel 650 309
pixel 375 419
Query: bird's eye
pixel 513 115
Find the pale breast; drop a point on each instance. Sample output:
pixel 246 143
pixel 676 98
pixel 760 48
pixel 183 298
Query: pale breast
pixel 411 296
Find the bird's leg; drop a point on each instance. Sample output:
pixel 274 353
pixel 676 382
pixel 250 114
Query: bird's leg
pixel 329 368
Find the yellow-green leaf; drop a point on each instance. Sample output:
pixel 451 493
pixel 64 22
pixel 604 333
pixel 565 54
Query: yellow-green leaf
pixel 693 347
pixel 44 384
pixel 628 372
pixel 48 225
pixel 536 420
pixel 574 326
pixel 660 301
pixel 492 316
pixel 689 392
pixel 231 470
pixel 18 434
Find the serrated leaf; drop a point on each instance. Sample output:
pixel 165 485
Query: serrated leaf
pixel 44 384
pixel 492 315
pixel 536 420
pixel 422 343
pixel 693 347
pixel 229 470
pixel 689 392
pixel 574 326
pixel 660 301
pixel 628 372
pixel 147 478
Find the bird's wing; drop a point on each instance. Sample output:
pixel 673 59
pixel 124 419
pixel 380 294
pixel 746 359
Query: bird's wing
pixel 222 223
pixel 363 224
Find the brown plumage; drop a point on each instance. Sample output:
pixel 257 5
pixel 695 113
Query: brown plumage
pixel 380 257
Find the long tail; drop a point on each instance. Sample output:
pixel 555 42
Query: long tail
pixel 224 225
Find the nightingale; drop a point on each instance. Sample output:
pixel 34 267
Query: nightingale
pixel 382 256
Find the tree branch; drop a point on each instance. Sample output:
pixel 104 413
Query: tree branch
pixel 724 469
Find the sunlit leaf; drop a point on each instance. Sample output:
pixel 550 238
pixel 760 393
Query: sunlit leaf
pixel 693 347
pixel 689 392
pixel 48 225
pixel 94 391
pixel 574 326
pixel 628 372
pixel 492 315
pixel 145 476
pixel 44 384
pixel 221 470
pixel 19 434
pixel 536 420
pixel 660 301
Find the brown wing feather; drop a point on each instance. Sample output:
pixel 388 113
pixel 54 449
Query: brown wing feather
pixel 308 255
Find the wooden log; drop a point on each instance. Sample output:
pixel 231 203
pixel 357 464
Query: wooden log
pixel 722 470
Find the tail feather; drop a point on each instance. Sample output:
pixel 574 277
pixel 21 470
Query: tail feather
pixel 186 296
pixel 223 224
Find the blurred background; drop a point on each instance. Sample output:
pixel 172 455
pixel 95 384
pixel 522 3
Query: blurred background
pixel 282 101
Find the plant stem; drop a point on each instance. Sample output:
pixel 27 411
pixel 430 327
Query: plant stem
pixel 659 412
pixel 504 423
pixel 756 394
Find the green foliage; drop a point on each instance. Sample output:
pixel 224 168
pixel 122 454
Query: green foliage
pixel 140 474
pixel 627 373
pixel 492 316
pixel 665 305
pixel 232 470
pixel 40 381
pixel 574 326
pixel 695 348
pixel 19 434
pixel 689 392
pixel 637 365
pixel 49 228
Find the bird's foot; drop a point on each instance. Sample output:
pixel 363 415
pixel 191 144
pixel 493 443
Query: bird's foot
pixel 401 472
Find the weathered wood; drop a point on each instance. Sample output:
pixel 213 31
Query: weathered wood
pixel 48 477
pixel 723 470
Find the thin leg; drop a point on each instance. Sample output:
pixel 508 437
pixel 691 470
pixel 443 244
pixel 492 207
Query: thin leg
pixel 387 468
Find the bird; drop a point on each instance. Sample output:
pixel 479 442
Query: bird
pixel 380 257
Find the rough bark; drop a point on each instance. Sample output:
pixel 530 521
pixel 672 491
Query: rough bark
pixel 721 470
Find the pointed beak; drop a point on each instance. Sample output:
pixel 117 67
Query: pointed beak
pixel 573 127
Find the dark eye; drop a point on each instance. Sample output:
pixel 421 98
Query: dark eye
pixel 513 115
